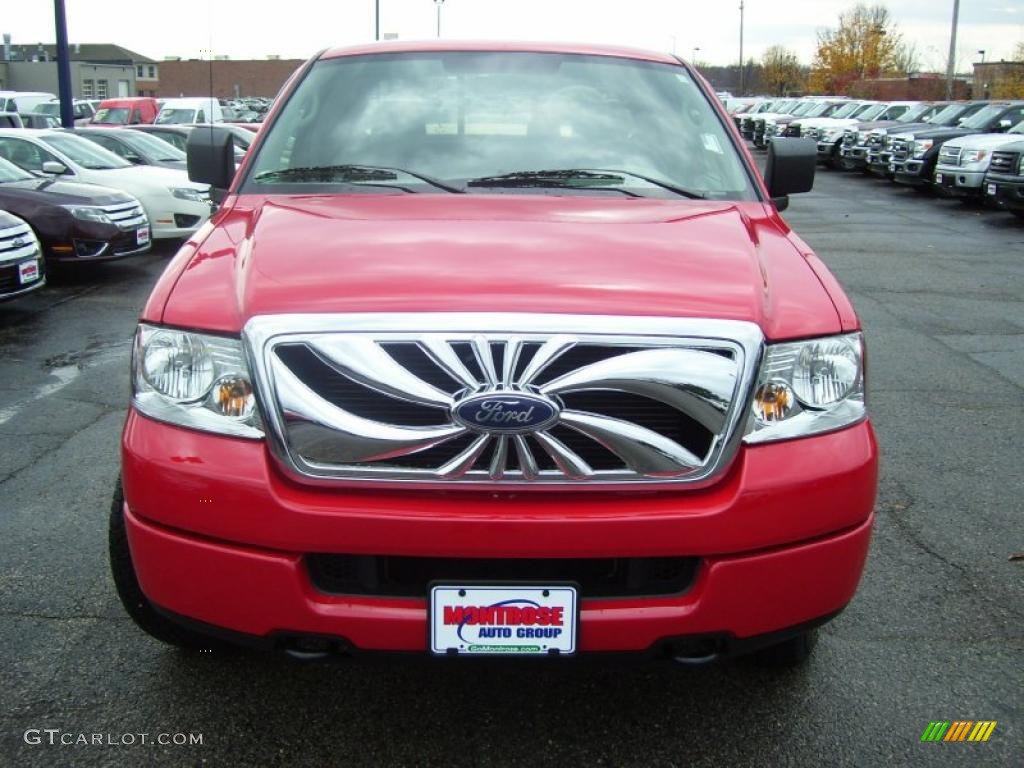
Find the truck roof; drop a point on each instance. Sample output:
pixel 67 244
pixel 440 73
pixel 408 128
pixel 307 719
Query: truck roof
pixel 416 46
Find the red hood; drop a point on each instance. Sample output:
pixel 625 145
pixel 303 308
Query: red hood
pixel 505 253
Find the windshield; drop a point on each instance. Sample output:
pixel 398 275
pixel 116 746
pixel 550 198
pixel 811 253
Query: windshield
pixel 112 115
pixel 150 146
pixel 870 112
pixel 948 115
pixel 846 110
pixel 50 108
pixel 10 172
pixel 819 109
pixel 984 117
pixel 805 109
pixel 915 114
pixel 85 153
pixel 176 116
pixel 461 116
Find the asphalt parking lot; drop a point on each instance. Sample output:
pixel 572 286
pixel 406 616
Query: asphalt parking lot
pixel 936 631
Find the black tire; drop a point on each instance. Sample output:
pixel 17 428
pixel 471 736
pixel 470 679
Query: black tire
pixel 147 618
pixel 1018 212
pixel 789 653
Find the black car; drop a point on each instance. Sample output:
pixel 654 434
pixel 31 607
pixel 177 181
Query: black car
pixel 135 147
pixel 75 222
pixel 1004 182
pixel 21 262
pixel 915 154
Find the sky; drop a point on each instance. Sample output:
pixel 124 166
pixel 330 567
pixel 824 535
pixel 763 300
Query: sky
pixel 254 28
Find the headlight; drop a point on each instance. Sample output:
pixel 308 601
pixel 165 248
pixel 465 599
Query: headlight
pixel 832 133
pixel 194 380
pixel 973 156
pixel 921 146
pixel 191 193
pixel 1020 167
pixel 88 213
pixel 808 387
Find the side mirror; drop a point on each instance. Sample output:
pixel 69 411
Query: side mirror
pixel 790 168
pixel 211 157
pixel 1004 125
pixel 55 168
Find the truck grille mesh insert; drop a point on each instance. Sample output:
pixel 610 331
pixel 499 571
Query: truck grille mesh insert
pixel 1004 162
pixel 390 576
pixel 386 406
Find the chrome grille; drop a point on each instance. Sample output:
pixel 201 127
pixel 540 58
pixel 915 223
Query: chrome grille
pixel 638 400
pixel 17 242
pixel 901 149
pixel 1003 162
pixel 850 137
pixel 949 155
pixel 127 215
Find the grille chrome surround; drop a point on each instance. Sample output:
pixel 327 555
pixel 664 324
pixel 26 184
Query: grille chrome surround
pixel 704 369
pixel 127 215
pixel 949 155
pixel 18 242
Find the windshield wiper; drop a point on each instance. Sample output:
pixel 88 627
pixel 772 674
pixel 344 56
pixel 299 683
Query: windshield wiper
pixel 575 178
pixel 351 173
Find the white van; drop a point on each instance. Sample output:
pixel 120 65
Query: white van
pixel 194 110
pixel 23 101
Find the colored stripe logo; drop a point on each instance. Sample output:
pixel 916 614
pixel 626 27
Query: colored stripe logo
pixel 958 730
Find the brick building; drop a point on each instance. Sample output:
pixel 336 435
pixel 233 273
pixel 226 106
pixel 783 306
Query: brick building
pixel 231 78
pixel 999 80
pixel 918 86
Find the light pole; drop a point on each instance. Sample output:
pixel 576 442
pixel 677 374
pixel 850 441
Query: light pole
pixel 67 119
pixel 696 50
pixel 741 48
pixel 951 64
pixel 439 3
pixel 376 20
pixel 982 54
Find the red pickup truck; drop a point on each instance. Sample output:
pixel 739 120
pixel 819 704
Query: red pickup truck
pixel 496 349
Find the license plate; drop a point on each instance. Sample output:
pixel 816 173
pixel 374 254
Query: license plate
pixel 938 178
pixel 28 271
pixel 142 236
pixel 503 620
pixel 990 189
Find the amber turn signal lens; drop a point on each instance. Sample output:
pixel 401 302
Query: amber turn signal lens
pixel 773 401
pixel 233 396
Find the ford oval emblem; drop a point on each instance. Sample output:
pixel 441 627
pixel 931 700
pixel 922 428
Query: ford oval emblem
pixel 505 412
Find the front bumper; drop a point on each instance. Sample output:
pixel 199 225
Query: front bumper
pixel 1007 191
pixel 219 536
pixel 181 219
pixel 827 149
pixel 958 182
pixel 912 173
pixel 856 156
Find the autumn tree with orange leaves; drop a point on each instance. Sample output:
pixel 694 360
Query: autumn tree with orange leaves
pixel 866 44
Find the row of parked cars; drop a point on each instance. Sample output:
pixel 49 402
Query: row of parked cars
pixel 91 195
pixel 968 149
pixel 20 109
